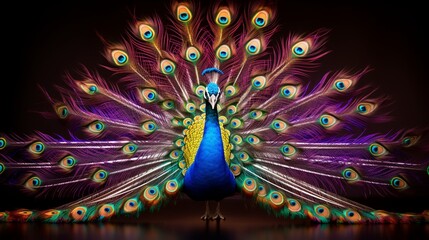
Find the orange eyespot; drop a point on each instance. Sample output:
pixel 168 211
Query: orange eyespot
pixel 293 205
pixel 33 183
pixel 260 19
pixel 171 187
pixel 327 121
pixel 167 66
pixel 131 205
pixel 365 108
pixel 300 49
pixel 120 58
pixel 223 18
pixel 106 210
pixel 61 110
pixel 37 147
pixel 49 213
pixel 262 191
pixel 249 186
pixel 352 216
pixel 149 95
pixel 342 85
pixel 183 14
pixel 276 199
pixel 146 32
pixel 377 150
pixel 322 211
pixel 78 213
pixel 254 47
pixel 150 195
pixel 289 91
pixel 398 183
pixel 235 169
pixel 223 52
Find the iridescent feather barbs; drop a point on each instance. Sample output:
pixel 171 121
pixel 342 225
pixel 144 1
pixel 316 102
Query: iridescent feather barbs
pixel 213 108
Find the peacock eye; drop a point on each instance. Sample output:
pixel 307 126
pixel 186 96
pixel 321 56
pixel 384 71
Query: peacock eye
pixel 350 174
pixel 89 88
pixel 146 32
pixel 167 67
pixel 236 123
pixel 68 162
pixel 288 91
pixel 278 125
pixel 259 82
pixel 398 183
pixel 409 141
pixel 61 111
pixel 129 148
pixel 260 19
pixel 175 154
pixel 342 85
pixel 377 150
pixel 2 168
pixel 352 216
pixel 230 91
pixel 253 47
pixel 119 57
pixel 3 143
pixel 253 139
pixel 171 186
pixel 231 109
pixel 184 14
pixel 223 52
pixel 293 205
pixel 300 49
pixel 106 210
pixel 149 95
pixel 149 126
pixel 223 18
pixel 322 211
pixel 192 54
pixel 33 183
pixel 190 107
pixel 288 150
pixel 96 127
pixel 365 108
pixel 131 205
pixel 327 121
pixel 37 147
pixel 167 104
pixel 100 176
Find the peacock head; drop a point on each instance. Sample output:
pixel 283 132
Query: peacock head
pixel 212 94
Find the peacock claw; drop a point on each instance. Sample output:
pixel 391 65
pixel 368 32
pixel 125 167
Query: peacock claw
pixel 216 217
pixel 205 217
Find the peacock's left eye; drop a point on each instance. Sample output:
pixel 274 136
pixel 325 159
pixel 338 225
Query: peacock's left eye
pixel 223 52
pixel 254 46
pixel 184 14
pixel 300 49
pixel 119 57
pixel 223 18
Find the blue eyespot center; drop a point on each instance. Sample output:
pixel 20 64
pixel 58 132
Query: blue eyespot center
pixel 292 203
pixel 107 209
pixel 150 126
pixel 168 68
pixel 131 204
pixel 192 56
pixel 325 120
pixel 2 143
pixel 98 126
pixel 320 210
pixel 223 20
pixel 152 191
pixel 286 149
pixel 286 92
pixel 102 175
pixel 79 212
pixel 362 108
pixel 184 16
pixel 172 184
pixel 148 34
pixel 396 182
pixel 93 88
pixel 275 196
pixel 151 95
pixel 374 149
pixel 406 141
pixel 340 85
pixel 351 214
pixel 251 140
pixel 252 48
pixel 259 21
pixel 299 51
pixel 39 147
pixel 348 173
pixel 257 83
pixel 223 54
pixel 249 182
pixel 122 58
pixel 276 125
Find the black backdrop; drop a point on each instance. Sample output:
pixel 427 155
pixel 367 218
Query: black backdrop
pixel 41 41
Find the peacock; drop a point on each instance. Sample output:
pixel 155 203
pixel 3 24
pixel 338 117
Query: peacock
pixel 208 103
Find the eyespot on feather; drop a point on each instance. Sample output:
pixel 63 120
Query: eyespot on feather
pixel 78 213
pixel 171 187
pixel 33 183
pixel 352 216
pixel 146 32
pixel 183 14
pixel 131 205
pixel 96 127
pixel 223 18
pixel 260 19
pixel 37 148
pixel 67 162
pixel 106 210
pixel 192 54
pixel 327 121
pixel 322 211
pixel 167 66
pixel 350 175
pixel 342 85
pixel 365 108
pixel 377 150
pixel 120 58
pixel 300 49
pixel 289 91
pixel 235 169
pixel 249 186
pixel 398 183
pixel 223 52
pixel 277 199
pixel 149 95
pixel 100 176
pixel 253 47
pixel 293 205
pixel 259 82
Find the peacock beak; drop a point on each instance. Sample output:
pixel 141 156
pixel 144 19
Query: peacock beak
pixel 213 100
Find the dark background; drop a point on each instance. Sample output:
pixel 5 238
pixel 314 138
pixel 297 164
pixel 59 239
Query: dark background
pixel 41 41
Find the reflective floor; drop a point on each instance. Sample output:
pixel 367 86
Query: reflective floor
pixel 181 221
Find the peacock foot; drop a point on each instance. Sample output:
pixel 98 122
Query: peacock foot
pixel 218 216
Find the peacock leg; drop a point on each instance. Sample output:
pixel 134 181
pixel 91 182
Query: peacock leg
pixel 206 215
pixel 218 215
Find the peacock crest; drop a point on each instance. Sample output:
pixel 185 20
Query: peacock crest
pixel 208 103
